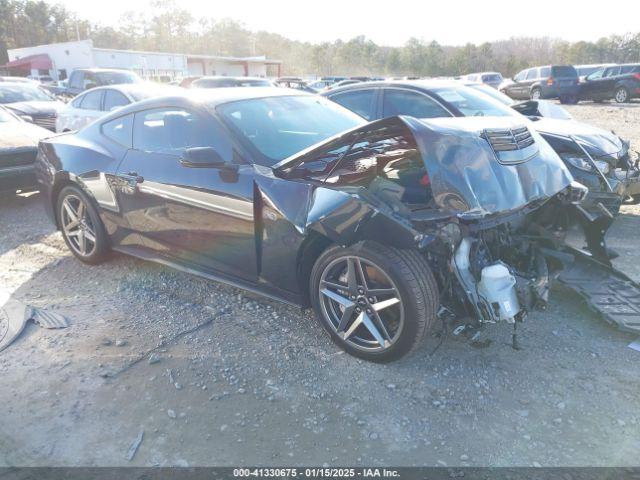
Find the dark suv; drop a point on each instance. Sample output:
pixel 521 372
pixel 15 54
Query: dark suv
pixel 552 81
pixel 620 82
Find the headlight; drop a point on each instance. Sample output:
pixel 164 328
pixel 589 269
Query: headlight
pixel 26 118
pixel 584 164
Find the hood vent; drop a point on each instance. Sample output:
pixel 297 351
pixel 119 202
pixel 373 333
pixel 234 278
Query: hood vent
pixel 511 145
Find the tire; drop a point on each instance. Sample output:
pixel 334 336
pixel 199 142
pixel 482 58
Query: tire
pixel 351 317
pixel 83 233
pixel 536 94
pixel 621 95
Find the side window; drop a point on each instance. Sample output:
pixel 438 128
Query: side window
pixel 119 130
pixel 92 101
pixel 358 101
pixel 402 102
pixel 114 99
pixel 76 79
pixel 612 72
pixel 628 69
pixel 89 81
pixel 521 76
pixel 170 131
pixel 76 102
pixel 532 74
pixel 545 72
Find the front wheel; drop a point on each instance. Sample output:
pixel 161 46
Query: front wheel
pixel 621 95
pixel 376 302
pixel 81 226
pixel 536 94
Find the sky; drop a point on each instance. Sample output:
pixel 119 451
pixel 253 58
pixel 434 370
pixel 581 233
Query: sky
pixel 450 22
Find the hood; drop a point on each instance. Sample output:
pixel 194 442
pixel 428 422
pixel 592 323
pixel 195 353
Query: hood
pixel 487 165
pixel 467 175
pixel 35 107
pixel 598 142
pixel 20 135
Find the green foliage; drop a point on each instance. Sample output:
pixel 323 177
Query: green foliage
pixel 171 28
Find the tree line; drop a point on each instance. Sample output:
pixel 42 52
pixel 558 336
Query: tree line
pixel 165 26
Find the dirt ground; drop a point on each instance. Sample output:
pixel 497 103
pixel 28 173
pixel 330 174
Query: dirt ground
pixel 260 383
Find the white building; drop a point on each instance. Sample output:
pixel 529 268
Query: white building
pixel 59 59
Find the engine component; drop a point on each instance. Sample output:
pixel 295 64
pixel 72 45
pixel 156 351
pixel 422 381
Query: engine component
pixel 497 289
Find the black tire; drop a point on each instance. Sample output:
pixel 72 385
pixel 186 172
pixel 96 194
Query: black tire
pixel 536 94
pixel 417 291
pixel 621 95
pixel 91 223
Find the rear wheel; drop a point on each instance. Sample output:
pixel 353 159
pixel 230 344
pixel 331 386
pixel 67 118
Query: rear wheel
pixel 536 94
pixel 621 95
pixel 375 302
pixel 81 226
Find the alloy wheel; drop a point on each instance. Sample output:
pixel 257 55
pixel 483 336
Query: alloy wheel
pixel 621 95
pixel 77 225
pixel 535 95
pixel 361 303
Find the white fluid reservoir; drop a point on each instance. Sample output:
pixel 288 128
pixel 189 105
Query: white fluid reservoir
pixel 498 288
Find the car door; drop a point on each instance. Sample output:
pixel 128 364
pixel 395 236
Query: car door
pixel 361 101
pixel 589 87
pixel 86 109
pixel 606 86
pixel 514 90
pixel 201 217
pixel 533 74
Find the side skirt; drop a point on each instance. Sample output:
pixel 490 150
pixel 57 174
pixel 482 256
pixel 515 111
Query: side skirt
pixel 144 254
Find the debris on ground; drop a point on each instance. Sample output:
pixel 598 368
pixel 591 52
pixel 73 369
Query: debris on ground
pixel 133 448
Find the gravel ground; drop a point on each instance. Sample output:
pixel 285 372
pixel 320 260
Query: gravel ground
pixel 259 383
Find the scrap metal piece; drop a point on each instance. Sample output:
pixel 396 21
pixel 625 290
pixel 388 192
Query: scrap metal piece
pixel 133 448
pixel 14 316
pixel 606 290
pixel 48 319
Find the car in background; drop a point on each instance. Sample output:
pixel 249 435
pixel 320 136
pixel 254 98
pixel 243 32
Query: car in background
pixel 294 82
pixel 597 158
pixel 493 79
pixel 230 82
pixel 619 82
pixel 95 103
pixel 87 78
pixel 18 149
pixel 551 81
pixel 42 79
pixel 325 82
pixel 18 80
pixel 31 103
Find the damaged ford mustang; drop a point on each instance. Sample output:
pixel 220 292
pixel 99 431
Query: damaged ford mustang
pixel 387 229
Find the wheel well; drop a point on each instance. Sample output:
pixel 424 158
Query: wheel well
pixel 55 191
pixel 309 252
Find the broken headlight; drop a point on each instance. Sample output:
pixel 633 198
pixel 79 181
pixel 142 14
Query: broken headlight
pixel 574 193
pixel 583 164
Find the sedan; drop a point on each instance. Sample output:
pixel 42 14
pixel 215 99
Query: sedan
pixel 95 103
pixel 18 148
pixel 291 196
pixel 31 103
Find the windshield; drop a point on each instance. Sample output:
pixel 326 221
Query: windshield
pixel 23 93
pixel 277 127
pixel 116 78
pixel 472 103
pixel 493 93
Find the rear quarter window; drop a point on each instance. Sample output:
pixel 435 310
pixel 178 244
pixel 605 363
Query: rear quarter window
pixel 119 130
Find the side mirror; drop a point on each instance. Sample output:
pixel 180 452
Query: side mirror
pixel 202 157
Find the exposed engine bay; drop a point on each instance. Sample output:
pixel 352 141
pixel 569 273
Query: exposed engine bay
pixel 490 208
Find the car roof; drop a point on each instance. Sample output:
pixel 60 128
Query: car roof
pixel 209 98
pixel 99 70
pixel 424 84
pixel 136 89
pixel 222 77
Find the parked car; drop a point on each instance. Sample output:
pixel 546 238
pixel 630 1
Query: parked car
pixel 18 149
pixel 552 81
pixel 289 195
pixel 225 82
pixel 294 82
pixel 618 82
pixel 18 80
pixel 95 103
pixel 42 79
pixel 493 79
pixel 87 78
pixel 598 158
pixel 31 103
